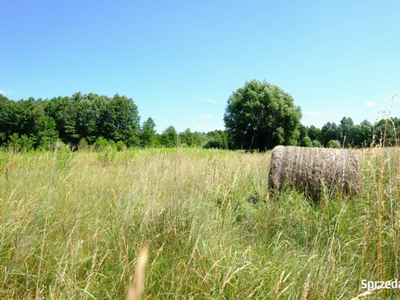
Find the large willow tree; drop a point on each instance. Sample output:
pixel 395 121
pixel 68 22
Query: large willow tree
pixel 260 116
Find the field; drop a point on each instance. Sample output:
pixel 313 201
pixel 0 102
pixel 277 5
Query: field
pixel 72 225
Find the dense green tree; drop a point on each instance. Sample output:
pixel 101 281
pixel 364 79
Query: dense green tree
pixel 18 117
pixel 366 132
pixel 355 137
pixel 88 116
pixel 303 132
pixel 200 138
pixel 133 140
pixel 217 139
pixel 169 138
pixel 46 133
pixel 63 112
pixel 346 124
pixel 91 116
pixel 387 132
pixel 314 133
pixel 330 131
pixel 361 135
pixel 261 116
pixel 120 119
pixel 5 115
pixel 192 139
pixel 76 117
pixel 186 138
pixel 148 136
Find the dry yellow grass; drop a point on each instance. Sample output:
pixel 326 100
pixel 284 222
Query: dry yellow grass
pixel 212 229
pixel 136 287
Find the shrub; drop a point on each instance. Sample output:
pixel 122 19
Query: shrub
pixel 316 144
pixel 100 144
pixel 334 144
pixel 23 143
pixel 120 146
pixel 307 142
pixel 213 144
pixel 83 145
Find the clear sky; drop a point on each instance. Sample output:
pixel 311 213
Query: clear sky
pixel 181 60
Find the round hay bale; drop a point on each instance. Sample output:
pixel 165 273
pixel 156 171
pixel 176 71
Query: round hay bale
pixel 309 169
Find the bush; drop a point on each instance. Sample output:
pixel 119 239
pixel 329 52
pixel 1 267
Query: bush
pixel 334 144
pixel 133 141
pixel 100 144
pixel 83 145
pixel 120 146
pixel 213 144
pixel 112 145
pixel 306 142
pixel 23 143
pixel 316 144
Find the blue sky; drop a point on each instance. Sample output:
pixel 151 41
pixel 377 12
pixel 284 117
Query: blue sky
pixel 181 60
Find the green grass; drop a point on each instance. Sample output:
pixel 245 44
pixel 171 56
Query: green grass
pixel 72 224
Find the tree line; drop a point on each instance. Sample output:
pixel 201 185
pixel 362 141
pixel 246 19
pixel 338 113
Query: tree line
pixel 347 134
pixel 90 119
pixel 261 115
pixel 258 116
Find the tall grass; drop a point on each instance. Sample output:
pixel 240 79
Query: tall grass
pixel 72 224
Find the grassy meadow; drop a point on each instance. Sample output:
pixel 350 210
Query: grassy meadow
pixel 72 225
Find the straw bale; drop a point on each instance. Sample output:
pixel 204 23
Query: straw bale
pixel 309 169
